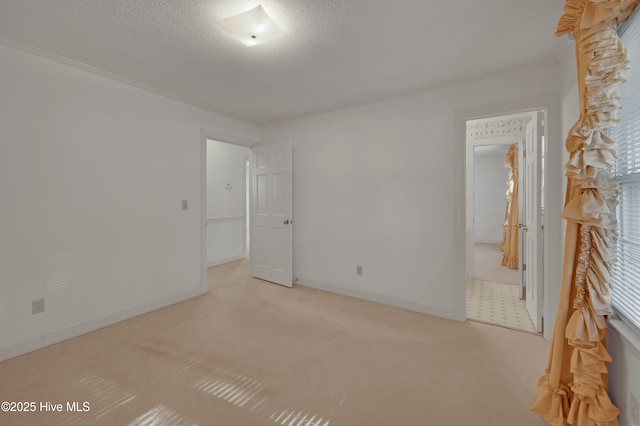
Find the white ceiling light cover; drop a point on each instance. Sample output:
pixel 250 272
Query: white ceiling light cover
pixel 252 27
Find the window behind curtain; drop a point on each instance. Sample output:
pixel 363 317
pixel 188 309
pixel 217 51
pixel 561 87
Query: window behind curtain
pixel 626 272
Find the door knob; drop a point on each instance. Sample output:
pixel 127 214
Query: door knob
pixel 286 222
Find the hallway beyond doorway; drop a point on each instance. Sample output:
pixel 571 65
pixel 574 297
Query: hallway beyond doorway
pixel 488 266
pixel 492 296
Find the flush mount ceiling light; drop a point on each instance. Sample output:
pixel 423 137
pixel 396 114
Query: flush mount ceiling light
pixel 252 27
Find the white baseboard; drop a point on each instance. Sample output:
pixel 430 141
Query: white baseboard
pixel 67 333
pixel 385 300
pixel 488 242
pixel 216 262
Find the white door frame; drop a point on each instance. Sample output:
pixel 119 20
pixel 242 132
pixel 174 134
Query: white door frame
pixel 205 135
pixel 553 197
pixel 532 234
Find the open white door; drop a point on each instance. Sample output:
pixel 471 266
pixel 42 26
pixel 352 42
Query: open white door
pixel 522 197
pixel 533 243
pixel 271 207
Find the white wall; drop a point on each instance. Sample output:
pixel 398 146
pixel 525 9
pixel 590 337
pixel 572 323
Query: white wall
pixel 382 185
pixel 92 174
pixel 226 199
pixel 490 201
pixel 623 344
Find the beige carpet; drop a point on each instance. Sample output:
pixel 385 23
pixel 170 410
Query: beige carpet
pixel 254 353
pixel 488 265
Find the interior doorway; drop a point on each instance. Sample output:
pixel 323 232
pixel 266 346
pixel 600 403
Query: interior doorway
pixel 246 204
pixel 226 202
pixel 500 183
pixel 247 210
pixel 493 188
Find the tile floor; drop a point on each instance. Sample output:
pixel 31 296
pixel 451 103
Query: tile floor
pixel 498 304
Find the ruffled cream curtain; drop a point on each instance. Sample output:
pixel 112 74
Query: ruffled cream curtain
pixel 573 390
pixel 509 244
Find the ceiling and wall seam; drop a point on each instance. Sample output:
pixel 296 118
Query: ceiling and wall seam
pixel 99 71
pixel 333 55
pixel 413 92
pixel 550 62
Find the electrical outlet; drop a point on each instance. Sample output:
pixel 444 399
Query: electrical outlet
pixel 185 204
pixel 634 409
pixel 359 270
pixel 37 306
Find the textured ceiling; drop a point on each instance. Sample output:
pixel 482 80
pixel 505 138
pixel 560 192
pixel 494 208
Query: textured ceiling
pixel 336 52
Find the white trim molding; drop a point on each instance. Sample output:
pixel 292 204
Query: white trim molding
pixel 85 327
pixel 224 219
pixel 497 128
pixel 221 261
